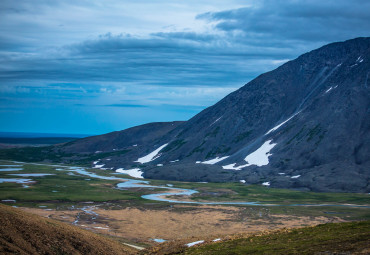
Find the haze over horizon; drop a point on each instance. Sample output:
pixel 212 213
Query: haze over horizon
pixel 87 67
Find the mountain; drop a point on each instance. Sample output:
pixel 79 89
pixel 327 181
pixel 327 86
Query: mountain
pixel 25 233
pixel 304 125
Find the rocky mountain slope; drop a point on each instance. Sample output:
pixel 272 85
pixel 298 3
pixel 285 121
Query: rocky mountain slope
pixel 304 125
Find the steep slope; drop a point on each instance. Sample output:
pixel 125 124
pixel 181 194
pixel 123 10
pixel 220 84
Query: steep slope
pixel 319 106
pixel 25 233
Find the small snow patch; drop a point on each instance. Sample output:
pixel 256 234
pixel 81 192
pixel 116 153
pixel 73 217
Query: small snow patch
pixel 134 145
pixel 214 161
pixel 328 90
pixel 216 240
pixel 215 121
pixel 151 156
pixel 242 181
pixel 282 123
pixel 198 162
pixel 359 59
pixel 266 183
pixel 8 200
pixel 158 240
pixel 101 228
pixel 233 167
pixel 295 176
pixel 98 166
pixel 194 243
pixel 281 173
pixel 173 161
pixel 135 172
pixel 159 164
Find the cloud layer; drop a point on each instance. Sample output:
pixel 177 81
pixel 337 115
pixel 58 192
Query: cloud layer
pixel 164 60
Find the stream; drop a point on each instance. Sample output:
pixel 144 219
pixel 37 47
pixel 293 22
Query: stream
pixel 163 196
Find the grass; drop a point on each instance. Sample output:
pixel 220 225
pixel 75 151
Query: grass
pixel 53 154
pixel 257 193
pixel 334 238
pixel 68 187
pixel 76 188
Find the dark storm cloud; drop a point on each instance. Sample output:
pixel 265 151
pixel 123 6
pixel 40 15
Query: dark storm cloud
pixel 168 58
pixel 282 22
pixel 251 39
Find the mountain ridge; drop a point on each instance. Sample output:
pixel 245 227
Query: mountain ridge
pixel 304 125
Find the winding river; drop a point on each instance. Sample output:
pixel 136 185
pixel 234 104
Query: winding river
pixel 163 196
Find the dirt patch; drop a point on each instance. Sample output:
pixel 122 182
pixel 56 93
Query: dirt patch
pixel 179 221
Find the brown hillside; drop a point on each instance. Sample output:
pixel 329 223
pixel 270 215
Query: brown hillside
pixel 25 233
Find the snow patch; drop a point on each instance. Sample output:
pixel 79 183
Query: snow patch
pixel 295 176
pixel 242 181
pixel 359 59
pixel 216 240
pixel 159 240
pixel 135 172
pixel 173 161
pixel 281 173
pixel 266 183
pixel 215 121
pixel 8 200
pixel 282 123
pixel 233 167
pixel 328 90
pixel 214 161
pixel 260 157
pixel 194 243
pixel 159 164
pixel 151 156
pixel 99 166
pixel 100 228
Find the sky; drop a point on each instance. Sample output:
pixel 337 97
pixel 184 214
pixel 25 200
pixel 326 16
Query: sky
pixel 92 67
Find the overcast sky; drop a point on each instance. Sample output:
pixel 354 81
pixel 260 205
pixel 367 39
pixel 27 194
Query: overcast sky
pixel 91 67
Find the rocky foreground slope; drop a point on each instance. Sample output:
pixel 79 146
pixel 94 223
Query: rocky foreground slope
pixel 304 125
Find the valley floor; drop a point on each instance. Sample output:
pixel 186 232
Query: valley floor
pixel 89 199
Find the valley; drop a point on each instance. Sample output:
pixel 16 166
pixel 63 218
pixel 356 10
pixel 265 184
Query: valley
pixel 137 213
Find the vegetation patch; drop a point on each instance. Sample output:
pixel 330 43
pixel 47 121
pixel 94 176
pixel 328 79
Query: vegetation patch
pixel 174 145
pixel 213 133
pixel 218 151
pixel 332 238
pixel 242 136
